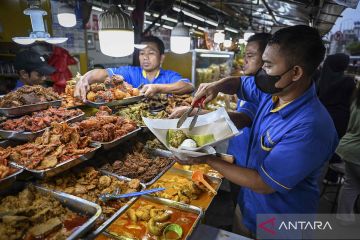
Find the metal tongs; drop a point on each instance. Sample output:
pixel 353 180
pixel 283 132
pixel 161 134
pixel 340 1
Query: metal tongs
pixel 182 119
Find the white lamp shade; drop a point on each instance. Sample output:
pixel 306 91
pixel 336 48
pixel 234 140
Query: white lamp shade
pixel 67 19
pixel 219 37
pixel 55 40
pixel 23 40
pixel 116 43
pixel 180 44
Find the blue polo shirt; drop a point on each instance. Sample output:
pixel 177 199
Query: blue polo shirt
pixel 238 145
pixel 289 146
pixel 136 76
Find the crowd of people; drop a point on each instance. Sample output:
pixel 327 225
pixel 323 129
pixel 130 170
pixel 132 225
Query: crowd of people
pixel 296 112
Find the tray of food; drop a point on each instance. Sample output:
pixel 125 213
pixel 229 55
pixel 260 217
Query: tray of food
pixel 28 99
pixel 29 127
pixel 88 184
pixel 181 188
pixel 155 218
pixel 68 99
pixel 8 173
pixel 57 150
pixel 8 143
pixel 125 101
pixel 32 212
pixel 106 129
pixel 135 112
pixel 117 141
pixel 112 92
pixel 205 168
pixel 141 164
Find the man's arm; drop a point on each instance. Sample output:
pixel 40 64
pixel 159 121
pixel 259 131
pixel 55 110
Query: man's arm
pixel 179 87
pixel 244 177
pixel 240 119
pixel 229 85
pixel 83 85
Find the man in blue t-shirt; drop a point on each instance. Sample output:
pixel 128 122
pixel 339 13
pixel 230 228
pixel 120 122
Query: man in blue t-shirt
pixel 150 74
pixel 292 135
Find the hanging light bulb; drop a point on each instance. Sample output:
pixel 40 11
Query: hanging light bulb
pixel 116 34
pixel 66 16
pixel 219 36
pixel 38 29
pixel 180 37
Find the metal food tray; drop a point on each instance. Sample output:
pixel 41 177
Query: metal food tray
pixel 25 109
pixel 125 101
pixel 76 204
pixel 61 167
pixel 107 223
pixel 114 143
pixel 159 174
pixel 9 180
pixel 188 174
pixel 170 203
pixel 29 136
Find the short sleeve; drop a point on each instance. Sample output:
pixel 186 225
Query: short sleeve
pixel 249 109
pixel 248 90
pixel 174 77
pixel 124 71
pixel 296 156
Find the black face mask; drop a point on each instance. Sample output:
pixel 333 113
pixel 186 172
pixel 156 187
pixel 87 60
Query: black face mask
pixel 266 83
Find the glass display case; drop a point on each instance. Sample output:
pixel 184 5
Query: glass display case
pixel 200 65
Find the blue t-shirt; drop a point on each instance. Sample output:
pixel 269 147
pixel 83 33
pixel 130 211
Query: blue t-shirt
pixel 136 76
pixel 289 146
pixel 238 145
pixel 19 84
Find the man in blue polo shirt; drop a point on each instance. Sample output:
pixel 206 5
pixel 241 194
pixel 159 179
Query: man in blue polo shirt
pixel 150 74
pixel 292 135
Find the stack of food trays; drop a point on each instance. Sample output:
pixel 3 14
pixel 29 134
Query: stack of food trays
pixel 65 148
pixel 176 182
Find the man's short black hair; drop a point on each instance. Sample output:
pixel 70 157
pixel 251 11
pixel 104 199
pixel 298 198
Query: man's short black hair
pixel 301 45
pixel 261 38
pixel 157 41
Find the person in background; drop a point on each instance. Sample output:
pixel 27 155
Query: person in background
pixel 32 68
pixel 349 151
pixel 238 145
pixel 292 135
pixel 150 74
pixel 335 91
